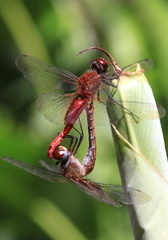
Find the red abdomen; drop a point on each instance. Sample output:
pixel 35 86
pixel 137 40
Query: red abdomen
pixel 75 109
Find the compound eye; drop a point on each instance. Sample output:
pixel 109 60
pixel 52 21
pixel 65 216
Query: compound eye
pixel 61 153
pixel 99 65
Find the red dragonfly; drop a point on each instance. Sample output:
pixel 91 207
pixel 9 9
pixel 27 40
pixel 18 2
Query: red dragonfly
pixel 73 171
pixel 81 91
pixel 84 88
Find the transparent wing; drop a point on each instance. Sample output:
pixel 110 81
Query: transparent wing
pixel 145 64
pixel 53 106
pixel 108 193
pixel 38 171
pixel 111 194
pixel 142 111
pixel 95 190
pixel 100 114
pixel 44 76
pixel 120 195
pixel 138 111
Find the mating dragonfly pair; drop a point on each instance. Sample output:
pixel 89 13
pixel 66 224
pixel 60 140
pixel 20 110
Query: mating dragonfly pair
pixel 82 94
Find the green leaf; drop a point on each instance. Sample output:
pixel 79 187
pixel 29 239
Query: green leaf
pixel 23 29
pixel 46 215
pixel 141 153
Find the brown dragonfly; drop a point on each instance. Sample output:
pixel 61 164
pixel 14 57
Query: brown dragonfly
pixel 71 170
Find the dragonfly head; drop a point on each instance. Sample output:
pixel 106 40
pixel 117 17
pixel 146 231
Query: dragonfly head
pixel 61 154
pixel 99 65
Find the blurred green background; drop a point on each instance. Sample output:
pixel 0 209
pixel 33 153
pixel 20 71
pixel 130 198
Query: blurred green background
pixel 54 31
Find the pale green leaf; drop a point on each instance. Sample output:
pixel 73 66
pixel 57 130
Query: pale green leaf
pixel 141 154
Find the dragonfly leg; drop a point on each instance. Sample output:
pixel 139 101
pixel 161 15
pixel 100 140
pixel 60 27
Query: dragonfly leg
pixel 81 134
pixel 75 141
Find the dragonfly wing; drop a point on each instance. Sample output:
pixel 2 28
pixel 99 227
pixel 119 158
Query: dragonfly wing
pixel 35 170
pixel 93 189
pixel 113 194
pixel 48 165
pixel 44 76
pixel 145 64
pixel 138 111
pixel 120 195
pixel 100 114
pixel 53 106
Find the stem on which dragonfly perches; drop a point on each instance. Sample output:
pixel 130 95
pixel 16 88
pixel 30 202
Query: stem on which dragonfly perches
pixel 141 158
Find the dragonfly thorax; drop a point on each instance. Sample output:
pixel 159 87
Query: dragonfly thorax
pixel 88 84
pixel 73 168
